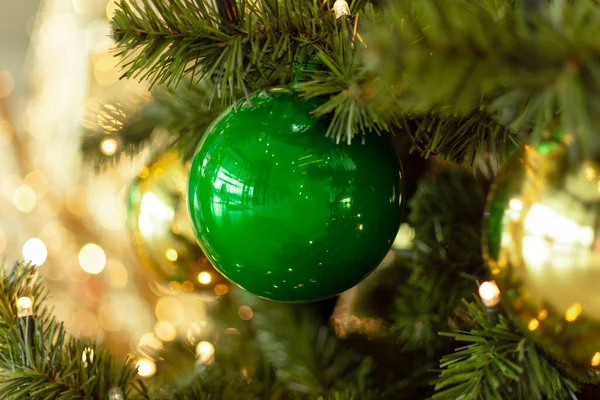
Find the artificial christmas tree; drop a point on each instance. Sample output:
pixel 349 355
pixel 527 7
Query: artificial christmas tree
pixel 461 82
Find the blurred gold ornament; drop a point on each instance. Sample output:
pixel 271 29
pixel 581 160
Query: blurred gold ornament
pixel 542 237
pixel 160 228
pixel 363 309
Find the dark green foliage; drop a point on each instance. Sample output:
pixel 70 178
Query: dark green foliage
pixel 534 63
pixel 306 356
pixel 499 362
pixel 446 259
pixel 475 139
pixel 163 41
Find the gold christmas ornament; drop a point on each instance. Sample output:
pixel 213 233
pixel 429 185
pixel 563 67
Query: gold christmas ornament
pixel 542 245
pixel 161 231
pixel 351 315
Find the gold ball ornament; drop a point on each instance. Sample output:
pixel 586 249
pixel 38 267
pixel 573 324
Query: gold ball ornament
pixel 542 245
pixel 161 231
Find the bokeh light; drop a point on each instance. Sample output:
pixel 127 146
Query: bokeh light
pixel 146 368
pixel 170 309
pixel 204 278
pixel 24 198
pixel 221 289
pixel 35 251
pixel 165 331
pixel 92 258
pixel 205 352
pixel 245 313
pixel 116 274
pixel 38 181
pixel 490 294
pixel 171 254
pixel 108 146
pixel 150 345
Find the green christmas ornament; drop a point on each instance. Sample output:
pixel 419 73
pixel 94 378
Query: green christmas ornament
pixel 285 212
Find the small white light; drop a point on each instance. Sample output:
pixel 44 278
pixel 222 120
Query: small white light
pixel 490 294
pixel 204 278
pixel 340 7
pixel 24 307
pixel 116 394
pixel 146 368
pixel 205 352
pixel 108 146
pixel 87 356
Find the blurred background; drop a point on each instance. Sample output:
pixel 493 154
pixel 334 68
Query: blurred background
pixel 56 74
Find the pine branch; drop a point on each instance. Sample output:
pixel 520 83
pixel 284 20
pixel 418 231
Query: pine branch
pixel 177 116
pixel 307 358
pixel 347 84
pixel 164 40
pixel 499 363
pixel 446 258
pixel 475 139
pixel 37 358
pixel 541 63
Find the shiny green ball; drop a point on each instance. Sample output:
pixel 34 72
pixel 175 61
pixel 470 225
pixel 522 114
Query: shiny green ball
pixel 285 212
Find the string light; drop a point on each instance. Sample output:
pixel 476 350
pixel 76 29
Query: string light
pixel 24 307
pixel 87 356
pixel 108 146
pixel 596 359
pixel 573 312
pixel 35 251
pixel 204 278
pixel 490 294
pixel 116 394
pixel 146 368
pixel 205 352
pixel 340 7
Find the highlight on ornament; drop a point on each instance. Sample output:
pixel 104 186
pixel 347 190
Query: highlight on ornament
pixel 540 243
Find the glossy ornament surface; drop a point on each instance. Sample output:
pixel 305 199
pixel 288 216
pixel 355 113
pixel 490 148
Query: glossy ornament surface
pixel 283 211
pixel 160 229
pixel 543 249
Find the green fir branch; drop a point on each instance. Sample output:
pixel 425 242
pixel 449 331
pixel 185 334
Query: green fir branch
pixel 177 116
pixel 306 356
pixel 475 139
pixel 164 40
pixel 537 64
pixel 445 260
pixel 347 85
pixel 37 358
pixel 499 362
